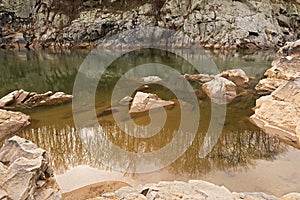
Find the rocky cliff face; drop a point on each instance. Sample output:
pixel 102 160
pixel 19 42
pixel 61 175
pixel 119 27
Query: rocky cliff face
pixel 216 24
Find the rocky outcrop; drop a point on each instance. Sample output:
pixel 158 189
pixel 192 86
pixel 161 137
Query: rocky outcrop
pixel 25 172
pixel 21 98
pixel 11 123
pixel 221 88
pixel 194 189
pixel 216 24
pixel 143 102
pixel 279 113
pixel 284 68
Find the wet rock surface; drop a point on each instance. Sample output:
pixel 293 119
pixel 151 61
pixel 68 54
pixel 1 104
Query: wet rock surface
pixel 12 122
pixel 21 98
pixel 25 172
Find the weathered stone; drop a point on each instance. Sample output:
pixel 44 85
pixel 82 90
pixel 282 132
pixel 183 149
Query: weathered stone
pixel 254 196
pixel 202 78
pixel 12 122
pixel 25 166
pixel 283 69
pixel 143 102
pixel 291 196
pixel 220 90
pixel 278 114
pixel 21 98
pixel 237 76
pixel 194 189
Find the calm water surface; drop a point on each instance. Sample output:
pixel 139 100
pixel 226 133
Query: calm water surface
pixel 244 158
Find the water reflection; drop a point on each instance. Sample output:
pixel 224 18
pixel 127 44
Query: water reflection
pixel 234 150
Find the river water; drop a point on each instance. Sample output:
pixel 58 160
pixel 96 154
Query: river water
pixel 243 159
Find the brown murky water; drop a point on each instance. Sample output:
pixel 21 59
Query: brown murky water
pixel 243 159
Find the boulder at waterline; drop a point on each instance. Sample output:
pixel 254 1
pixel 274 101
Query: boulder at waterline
pixel 237 76
pixel 25 172
pixel 220 90
pixel 21 98
pixel 12 122
pixel 202 78
pixel 279 113
pixel 143 102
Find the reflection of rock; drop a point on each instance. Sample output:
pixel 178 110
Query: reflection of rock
pixel 11 123
pixel 220 90
pixel 283 69
pixel 279 113
pixel 145 101
pixel 21 98
pixel 25 172
pixel 238 76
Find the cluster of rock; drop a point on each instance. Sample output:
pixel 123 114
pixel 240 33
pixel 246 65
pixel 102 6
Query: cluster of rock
pixel 285 68
pixel 216 24
pixel 194 189
pixel 221 88
pixel 279 112
pixel 25 172
pixel 21 98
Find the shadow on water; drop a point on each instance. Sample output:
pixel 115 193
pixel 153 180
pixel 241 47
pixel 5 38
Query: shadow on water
pixel 240 146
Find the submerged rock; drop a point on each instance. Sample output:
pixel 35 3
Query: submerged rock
pixel 11 123
pixel 279 113
pixel 21 98
pixel 285 68
pixel 151 79
pixel 143 102
pixel 25 172
pixel 220 90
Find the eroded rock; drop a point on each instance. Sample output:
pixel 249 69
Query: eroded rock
pixel 143 102
pixel 25 172
pixel 220 90
pixel 202 78
pixel 279 113
pixel 21 98
pixel 11 123
pixel 284 68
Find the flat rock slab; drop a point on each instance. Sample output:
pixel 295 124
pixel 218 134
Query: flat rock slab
pixel 12 122
pixel 25 172
pixel 143 102
pixel 279 113
pixel 21 99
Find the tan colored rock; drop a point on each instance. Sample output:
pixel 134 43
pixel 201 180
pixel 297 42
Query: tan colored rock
pixel 21 98
pixel 12 122
pixel 202 78
pixel 285 68
pixel 237 76
pixel 27 173
pixel 279 113
pixel 220 90
pixel 143 102
pixel 291 196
